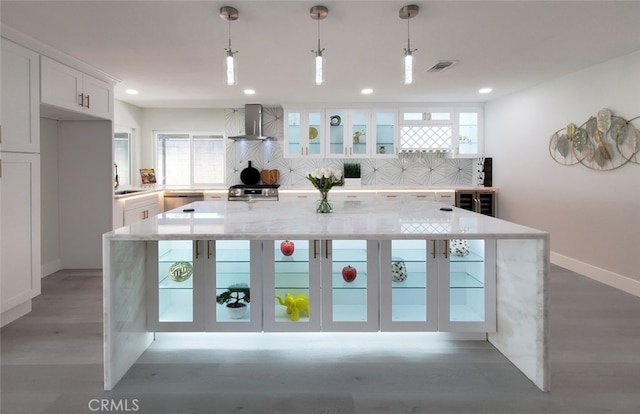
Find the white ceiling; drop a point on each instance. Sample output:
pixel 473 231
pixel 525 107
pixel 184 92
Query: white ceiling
pixel 173 51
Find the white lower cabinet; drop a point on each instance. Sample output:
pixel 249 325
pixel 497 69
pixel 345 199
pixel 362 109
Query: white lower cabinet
pixel 408 286
pixel 294 277
pixel 322 285
pixel 141 208
pixel 467 286
pixel 185 278
pixel 349 285
pixel 20 236
pixel 425 287
pixel 338 279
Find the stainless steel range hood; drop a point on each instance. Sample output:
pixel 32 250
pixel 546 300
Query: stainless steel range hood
pixel 252 124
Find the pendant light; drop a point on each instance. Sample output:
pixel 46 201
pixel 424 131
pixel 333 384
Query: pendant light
pixel 231 63
pixel 318 13
pixel 406 13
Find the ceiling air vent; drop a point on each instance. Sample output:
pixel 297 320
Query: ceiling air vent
pixel 442 65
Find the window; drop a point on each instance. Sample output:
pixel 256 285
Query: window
pixel 190 158
pixel 122 156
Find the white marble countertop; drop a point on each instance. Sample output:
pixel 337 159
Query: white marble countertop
pixel 265 220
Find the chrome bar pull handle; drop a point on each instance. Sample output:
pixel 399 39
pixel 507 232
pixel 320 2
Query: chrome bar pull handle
pixel 197 249
pixel 208 249
pixel 433 249
pixel 81 103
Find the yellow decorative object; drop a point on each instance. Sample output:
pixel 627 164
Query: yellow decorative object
pixel 313 133
pixel 295 305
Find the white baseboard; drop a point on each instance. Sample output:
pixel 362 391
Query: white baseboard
pixel 14 313
pixel 51 267
pixel 624 283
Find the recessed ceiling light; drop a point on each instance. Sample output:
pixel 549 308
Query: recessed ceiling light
pixel 485 90
pixel 249 92
pixel 131 91
pixel 367 91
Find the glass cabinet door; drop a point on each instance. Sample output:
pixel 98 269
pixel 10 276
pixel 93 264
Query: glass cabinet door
pixel 293 133
pixel 337 124
pixel 359 121
pixel 315 134
pixel 349 285
pixel 385 129
pixel 291 285
pixel 469 132
pixel 172 286
pixel 408 286
pixel 467 286
pixel 303 133
pixel 235 279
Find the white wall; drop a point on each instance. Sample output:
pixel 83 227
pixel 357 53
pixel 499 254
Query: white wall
pixel 86 191
pixel 593 217
pixel 49 199
pixel 129 117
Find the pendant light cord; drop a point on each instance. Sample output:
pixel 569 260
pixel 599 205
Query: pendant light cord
pixel 320 50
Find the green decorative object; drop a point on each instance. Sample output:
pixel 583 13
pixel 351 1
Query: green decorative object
pixel 236 298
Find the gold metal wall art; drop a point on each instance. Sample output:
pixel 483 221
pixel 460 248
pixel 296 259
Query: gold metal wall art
pixel 604 142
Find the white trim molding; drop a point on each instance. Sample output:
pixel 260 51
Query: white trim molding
pixel 51 267
pixel 624 283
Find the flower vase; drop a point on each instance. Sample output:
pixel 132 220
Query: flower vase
pixel 323 205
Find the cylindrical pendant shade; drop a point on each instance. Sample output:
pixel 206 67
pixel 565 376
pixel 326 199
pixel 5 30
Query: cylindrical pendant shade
pixel 407 69
pixel 232 70
pixel 319 70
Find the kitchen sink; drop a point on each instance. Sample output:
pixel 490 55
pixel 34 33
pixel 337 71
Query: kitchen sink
pixel 123 192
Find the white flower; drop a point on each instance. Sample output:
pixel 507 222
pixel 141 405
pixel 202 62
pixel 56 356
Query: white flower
pixel 316 174
pixel 337 175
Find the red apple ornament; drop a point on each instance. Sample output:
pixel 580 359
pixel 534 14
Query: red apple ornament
pixel 349 274
pixel 287 247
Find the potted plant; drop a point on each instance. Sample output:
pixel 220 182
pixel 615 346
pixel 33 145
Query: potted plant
pixel 236 298
pixel 352 174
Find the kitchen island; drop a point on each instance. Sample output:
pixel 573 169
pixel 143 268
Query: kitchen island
pixel 419 268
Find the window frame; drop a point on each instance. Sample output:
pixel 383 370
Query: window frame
pixel 191 133
pixel 129 131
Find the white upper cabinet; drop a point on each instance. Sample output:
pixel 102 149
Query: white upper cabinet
pixel 304 133
pixel 456 130
pixel 385 136
pixel 349 133
pixel 469 137
pixel 20 99
pixel 68 88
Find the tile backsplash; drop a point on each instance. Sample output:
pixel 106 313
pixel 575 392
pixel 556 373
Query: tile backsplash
pixel 408 170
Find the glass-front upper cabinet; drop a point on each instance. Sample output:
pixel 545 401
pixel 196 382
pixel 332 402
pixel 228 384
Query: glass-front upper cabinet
pixel 235 283
pixel 349 133
pixel 291 285
pixel 469 136
pixel 174 286
pixel 408 286
pixel 349 285
pixel 303 133
pixel 467 286
pixel 385 134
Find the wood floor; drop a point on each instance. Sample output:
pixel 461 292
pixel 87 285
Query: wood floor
pixel 52 363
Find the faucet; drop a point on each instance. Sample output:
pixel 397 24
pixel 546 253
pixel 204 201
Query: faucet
pixel 117 182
